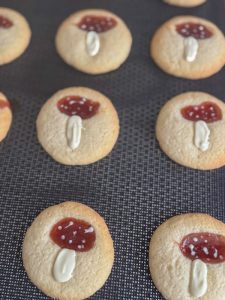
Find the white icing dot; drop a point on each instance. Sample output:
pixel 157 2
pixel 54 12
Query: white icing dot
pixel 213 114
pixel 205 250
pixel 63 237
pixel 83 241
pixel 79 247
pixel 195 239
pixel 211 108
pixel 201 27
pixel 88 230
pixel 197 116
pixel 72 102
pixel 191 113
pixel 62 105
pixel 60 227
pixel 205 241
pixel 83 26
pixel 221 257
pixel 215 254
pixel 74 232
pixel 90 108
pixel 196 108
pixel 70 241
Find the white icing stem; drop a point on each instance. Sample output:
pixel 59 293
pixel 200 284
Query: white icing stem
pixel 64 265
pixel 92 43
pixel 202 134
pixel 198 281
pixel 73 131
pixel 190 48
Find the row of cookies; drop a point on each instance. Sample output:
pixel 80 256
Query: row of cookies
pixel 90 41
pixel 68 253
pixel 79 126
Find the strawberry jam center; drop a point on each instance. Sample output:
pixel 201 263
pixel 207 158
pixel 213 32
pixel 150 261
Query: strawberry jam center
pixel 96 23
pixel 198 31
pixel 5 23
pixel 4 104
pixel 208 247
pixel 79 106
pixel 207 111
pixel 73 234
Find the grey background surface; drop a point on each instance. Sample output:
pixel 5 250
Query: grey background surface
pixel 135 188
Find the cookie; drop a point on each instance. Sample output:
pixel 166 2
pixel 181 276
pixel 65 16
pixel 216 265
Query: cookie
pixel 185 3
pixel 5 116
pixel 189 130
pixel 189 47
pixel 78 126
pixel 94 41
pixel 68 251
pixel 187 258
pixel 15 35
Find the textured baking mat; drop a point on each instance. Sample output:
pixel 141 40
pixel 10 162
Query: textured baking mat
pixel 135 188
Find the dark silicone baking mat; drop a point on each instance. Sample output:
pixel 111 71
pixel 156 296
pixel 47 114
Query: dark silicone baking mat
pixel 135 188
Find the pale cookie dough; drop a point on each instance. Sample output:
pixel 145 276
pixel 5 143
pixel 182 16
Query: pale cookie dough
pixel 172 272
pixel 93 138
pixel 41 254
pixel 5 116
pixel 185 3
pixel 97 51
pixel 178 136
pixel 15 35
pixel 188 57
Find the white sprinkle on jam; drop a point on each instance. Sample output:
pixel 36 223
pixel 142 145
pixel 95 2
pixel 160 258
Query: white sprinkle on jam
pixel 195 239
pixel 60 227
pixel 215 254
pixel 205 250
pixel 89 230
pixel 63 237
pixel 70 241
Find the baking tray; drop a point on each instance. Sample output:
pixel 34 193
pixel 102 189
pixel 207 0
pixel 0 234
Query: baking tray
pixel 137 187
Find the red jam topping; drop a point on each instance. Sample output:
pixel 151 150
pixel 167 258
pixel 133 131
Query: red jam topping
pixel 73 234
pixel 4 104
pixel 208 247
pixel 198 31
pixel 207 111
pixel 5 23
pixel 97 23
pixel 79 106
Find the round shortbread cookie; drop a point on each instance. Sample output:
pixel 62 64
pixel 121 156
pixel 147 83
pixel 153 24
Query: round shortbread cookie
pixel 94 41
pixel 186 258
pixel 194 139
pixel 80 273
pixel 189 47
pixel 5 116
pixel 72 138
pixel 15 35
pixel 185 3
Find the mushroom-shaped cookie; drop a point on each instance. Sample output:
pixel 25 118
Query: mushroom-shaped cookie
pixel 5 116
pixel 78 126
pixel 68 251
pixel 187 258
pixel 15 35
pixel 189 130
pixel 94 41
pixel 190 47
pixel 185 3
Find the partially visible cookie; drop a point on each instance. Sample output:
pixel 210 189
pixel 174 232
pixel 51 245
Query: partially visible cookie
pixel 68 251
pixel 94 41
pixel 189 47
pixel 187 258
pixel 78 126
pixel 15 35
pixel 5 116
pixel 185 3
pixel 190 130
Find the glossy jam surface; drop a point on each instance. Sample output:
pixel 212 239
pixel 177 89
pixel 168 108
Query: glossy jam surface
pixel 4 104
pixel 78 106
pixel 96 23
pixel 5 23
pixel 73 234
pixel 208 247
pixel 207 111
pixel 198 31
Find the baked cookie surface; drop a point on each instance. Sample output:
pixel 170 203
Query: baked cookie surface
pixel 185 3
pixel 186 258
pixel 94 41
pixel 78 126
pixel 15 35
pixel 80 266
pixel 189 47
pixel 189 130
pixel 5 116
